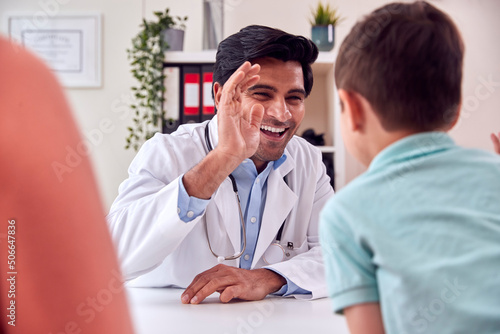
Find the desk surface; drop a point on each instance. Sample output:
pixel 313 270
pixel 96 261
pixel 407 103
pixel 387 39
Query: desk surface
pixel 161 311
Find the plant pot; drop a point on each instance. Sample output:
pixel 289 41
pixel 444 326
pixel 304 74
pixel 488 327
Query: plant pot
pixel 174 39
pixel 213 26
pixel 323 37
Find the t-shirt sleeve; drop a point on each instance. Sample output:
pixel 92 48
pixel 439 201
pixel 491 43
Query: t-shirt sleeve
pixel 350 271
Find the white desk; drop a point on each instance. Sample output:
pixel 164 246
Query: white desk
pixel 161 311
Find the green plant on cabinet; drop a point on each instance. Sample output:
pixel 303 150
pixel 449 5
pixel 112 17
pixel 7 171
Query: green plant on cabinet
pixel 324 15
pixel 146 59
pixel 323 21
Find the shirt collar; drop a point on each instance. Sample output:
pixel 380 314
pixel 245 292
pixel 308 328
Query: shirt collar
pixel 411 147
pixel 280 161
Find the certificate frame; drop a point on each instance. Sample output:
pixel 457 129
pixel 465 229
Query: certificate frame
pixel 69 43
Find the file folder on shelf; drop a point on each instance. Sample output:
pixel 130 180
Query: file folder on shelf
pixel 208 104
pixel 188 94
pixel 171 103
pixel 191 94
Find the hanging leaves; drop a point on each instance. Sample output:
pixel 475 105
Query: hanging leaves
pixel 146 58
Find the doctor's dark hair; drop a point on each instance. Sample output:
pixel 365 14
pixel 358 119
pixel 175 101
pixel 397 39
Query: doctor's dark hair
pixel 255 42
pixel 406 60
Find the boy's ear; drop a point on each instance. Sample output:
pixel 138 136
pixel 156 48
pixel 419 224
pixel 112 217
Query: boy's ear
pixel 217 93
pixel 351 105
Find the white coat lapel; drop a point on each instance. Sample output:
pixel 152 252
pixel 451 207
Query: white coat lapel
pixel 226 203
pixel 280 201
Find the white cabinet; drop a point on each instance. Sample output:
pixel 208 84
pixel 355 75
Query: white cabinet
pixel 322 107
pixel 322 113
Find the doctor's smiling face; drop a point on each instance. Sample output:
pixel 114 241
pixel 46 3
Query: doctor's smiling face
pixel 281 92
pixel 284 77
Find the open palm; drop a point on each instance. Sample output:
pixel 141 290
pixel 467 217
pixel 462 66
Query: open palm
pixel 239 125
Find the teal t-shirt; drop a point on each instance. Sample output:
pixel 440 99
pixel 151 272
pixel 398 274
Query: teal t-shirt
pixel 419 232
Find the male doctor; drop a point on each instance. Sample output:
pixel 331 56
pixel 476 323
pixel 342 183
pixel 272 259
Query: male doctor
pixel 239 189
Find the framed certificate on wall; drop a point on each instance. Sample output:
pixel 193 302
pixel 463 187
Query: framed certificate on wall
pixel 70 44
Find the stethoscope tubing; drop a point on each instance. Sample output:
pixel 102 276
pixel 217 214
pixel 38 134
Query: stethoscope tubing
pixel 235 189
pixel 221 258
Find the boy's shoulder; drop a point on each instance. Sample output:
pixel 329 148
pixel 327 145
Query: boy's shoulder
pixel 413 166
pixel 356 195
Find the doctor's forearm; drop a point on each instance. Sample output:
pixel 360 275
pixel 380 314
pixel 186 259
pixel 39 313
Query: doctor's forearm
pixel 202 180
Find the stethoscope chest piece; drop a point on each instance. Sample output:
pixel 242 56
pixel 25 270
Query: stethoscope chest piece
pixel 274 254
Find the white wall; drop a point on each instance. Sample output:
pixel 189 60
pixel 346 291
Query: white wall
pixel 477 19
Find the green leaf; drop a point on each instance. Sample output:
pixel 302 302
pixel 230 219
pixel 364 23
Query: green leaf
pixel 147 69
pixel 324 15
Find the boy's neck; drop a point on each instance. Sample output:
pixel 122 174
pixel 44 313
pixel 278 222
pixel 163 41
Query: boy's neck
pixel 379 140
pixel 371 137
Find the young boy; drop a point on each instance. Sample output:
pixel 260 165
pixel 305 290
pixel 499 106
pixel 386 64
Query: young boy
pixel 413 244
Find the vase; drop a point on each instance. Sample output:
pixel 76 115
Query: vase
pixel 213 23
pixel 323 37
pixel 174 39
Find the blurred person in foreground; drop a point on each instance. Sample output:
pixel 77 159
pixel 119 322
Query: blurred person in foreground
pixel 62 275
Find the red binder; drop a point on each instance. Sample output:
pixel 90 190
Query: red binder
pixel 208 109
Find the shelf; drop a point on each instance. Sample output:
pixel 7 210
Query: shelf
pixel 207 56
pixel 326 149
pixel 323 64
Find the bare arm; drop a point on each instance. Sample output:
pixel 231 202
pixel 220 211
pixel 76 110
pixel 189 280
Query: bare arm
pixel 364 319
pixel 496 142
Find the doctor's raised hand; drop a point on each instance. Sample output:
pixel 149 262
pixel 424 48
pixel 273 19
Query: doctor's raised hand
pixel 239 126
pixel 231 204
pixel 239 134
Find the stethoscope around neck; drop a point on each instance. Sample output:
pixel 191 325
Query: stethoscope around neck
pixel 275 253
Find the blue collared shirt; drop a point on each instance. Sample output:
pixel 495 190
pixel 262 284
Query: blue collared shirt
pixel 252 190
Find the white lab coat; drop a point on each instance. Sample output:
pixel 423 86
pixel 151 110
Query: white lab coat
pixel 157 249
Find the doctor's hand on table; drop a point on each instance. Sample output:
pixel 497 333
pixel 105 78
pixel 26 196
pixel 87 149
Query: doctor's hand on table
pixel 232 283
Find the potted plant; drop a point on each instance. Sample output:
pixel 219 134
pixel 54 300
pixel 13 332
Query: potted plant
pixel 323 22
pixel 146 58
